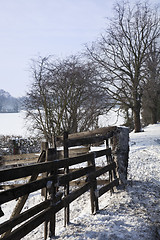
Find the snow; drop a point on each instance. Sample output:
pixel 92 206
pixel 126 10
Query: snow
pixel 112 118
pixel 15 123
pixel 131 213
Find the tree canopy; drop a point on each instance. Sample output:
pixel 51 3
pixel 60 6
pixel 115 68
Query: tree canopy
pixel 64 96
pixel 120 54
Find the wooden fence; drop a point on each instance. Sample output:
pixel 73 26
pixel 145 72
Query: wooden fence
pixel 9 161
pixel 59 173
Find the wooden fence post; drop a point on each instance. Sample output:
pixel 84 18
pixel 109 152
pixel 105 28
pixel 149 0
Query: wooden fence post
pixel 93 190
pixel 66 171
pixel 52 155
pixel 44 147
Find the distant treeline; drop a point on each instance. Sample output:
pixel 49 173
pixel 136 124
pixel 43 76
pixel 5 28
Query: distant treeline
pixel 9 104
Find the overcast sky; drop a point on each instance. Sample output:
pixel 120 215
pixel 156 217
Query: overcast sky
pixel 29 28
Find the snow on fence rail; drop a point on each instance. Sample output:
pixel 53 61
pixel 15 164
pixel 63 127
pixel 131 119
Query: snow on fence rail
pixel 56 182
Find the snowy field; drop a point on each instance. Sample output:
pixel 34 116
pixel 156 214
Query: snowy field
pixel 15 124
pixel 132 213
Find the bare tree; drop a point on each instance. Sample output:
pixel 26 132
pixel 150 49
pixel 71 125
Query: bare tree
pixel 121 52
pixel 36 104
pixel 64 96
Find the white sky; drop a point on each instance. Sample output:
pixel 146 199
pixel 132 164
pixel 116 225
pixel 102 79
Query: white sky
pixel 29 28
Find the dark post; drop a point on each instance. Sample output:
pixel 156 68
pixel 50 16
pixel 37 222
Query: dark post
pixel 52 155
pixel 44 147
pixel 66 170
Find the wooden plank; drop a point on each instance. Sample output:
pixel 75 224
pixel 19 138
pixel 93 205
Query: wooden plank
pixel 103 152
pixel 14 193
pixel 23 216
pixel 88 140
pixel 10 186
pixel 61 171
pixel 105 169
pixel 73 161
pixel 81 182
pixel 108 187
pixel 78 182
pixel 102 170
pixel 77 193
pixel 62 163
pixel 20 157
pixel 20 172
pixel 74 175
pixel 93 133
pixel 73 152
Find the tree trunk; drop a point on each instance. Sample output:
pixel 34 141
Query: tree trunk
pixel 136 117
pixel 154 115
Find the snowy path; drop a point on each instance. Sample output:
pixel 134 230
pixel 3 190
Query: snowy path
pixel 133 213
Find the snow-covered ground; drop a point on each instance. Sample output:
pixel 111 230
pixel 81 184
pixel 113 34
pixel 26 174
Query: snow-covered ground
pixel 132 213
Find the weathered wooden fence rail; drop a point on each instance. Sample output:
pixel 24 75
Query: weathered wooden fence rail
pixel 8 161
pixel 50 207
pixel 58 174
